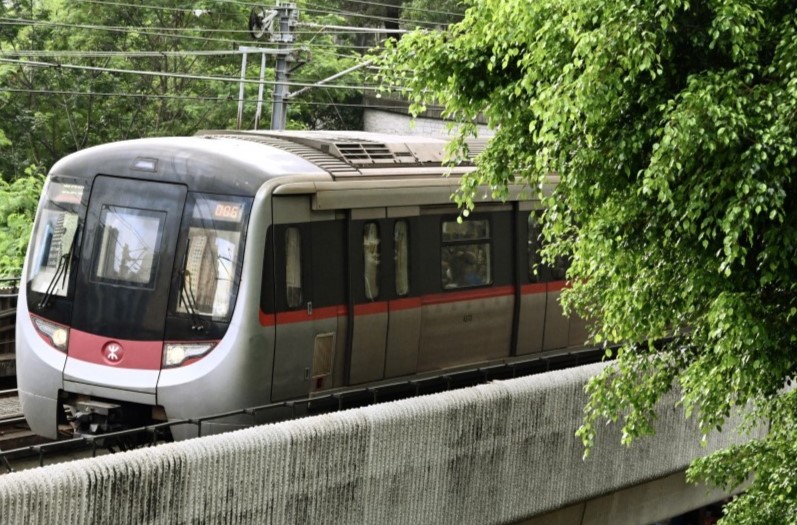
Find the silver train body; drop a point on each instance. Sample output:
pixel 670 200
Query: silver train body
pixel 173 278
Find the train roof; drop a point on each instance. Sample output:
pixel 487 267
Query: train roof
pixel 240 162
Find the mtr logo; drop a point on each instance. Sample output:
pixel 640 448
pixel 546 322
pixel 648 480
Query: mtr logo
pixel 113 352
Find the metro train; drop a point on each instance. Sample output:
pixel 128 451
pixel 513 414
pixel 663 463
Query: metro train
pixel 172 278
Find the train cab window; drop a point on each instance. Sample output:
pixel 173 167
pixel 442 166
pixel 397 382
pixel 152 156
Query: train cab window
pixel 371 260
pixel 293 267
pixel 55 238
pixel 465 254
pixel 212 265
pixel 401 254
pixel 129 246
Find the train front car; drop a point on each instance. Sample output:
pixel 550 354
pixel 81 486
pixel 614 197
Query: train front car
pixel 133 310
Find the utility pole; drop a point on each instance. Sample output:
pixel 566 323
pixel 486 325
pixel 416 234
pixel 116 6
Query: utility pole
pixel 278 23
pixel 287 15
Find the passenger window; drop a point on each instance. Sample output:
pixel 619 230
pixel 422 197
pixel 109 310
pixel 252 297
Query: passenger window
pixel 293 267
pixel 401 254
pixel 534 246
pixel 129 244
pixel 465 254
pixel 560 267
pixel 371 260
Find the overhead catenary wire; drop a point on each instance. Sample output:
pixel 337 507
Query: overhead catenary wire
pixel 249 4
pixel 136 29
pixel 145 6
pixel 119 29
pixel 419 9
pixel 197 98
pixel 340 12
pixel 175 32
pixel 170 74
pixel 122 54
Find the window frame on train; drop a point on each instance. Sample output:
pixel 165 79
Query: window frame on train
pixel 466 256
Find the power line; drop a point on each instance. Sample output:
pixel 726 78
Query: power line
pixel 126 29
pixel 346 29
pixel 198 98
pixel 173 32
pixel 321 10
pixel 419 9
pixel 177 75
pixel 119 54
pixel 142 6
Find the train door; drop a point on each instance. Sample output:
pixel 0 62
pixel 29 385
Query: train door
pixel 533 278
pixel 404 306
pixel 123 281
pixel 309 296
pixel 542 324
pixel 370 243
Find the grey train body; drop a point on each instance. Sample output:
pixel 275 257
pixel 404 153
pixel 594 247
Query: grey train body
pixel 173 278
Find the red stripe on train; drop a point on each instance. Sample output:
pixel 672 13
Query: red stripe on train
pixel 408 303
pixel 468 295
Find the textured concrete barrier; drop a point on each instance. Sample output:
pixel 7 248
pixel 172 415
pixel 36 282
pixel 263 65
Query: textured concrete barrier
pixel 491 454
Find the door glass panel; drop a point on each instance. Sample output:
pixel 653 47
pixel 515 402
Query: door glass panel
pixel 402 257
pixel 371 260
pixel 128 246
pixel 293 267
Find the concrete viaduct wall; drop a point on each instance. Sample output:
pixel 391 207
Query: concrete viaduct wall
pixel 497 453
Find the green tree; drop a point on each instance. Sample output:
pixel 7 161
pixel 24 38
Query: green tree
pixel 49 112
pixel 18 201
pixel 672 126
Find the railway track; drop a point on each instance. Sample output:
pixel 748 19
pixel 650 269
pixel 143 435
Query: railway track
pixel 14 430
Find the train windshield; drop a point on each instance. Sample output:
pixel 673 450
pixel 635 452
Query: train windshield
pixel 213 255
pixel 55 238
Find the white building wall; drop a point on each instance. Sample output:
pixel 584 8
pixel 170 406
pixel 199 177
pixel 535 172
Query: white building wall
pixel 380 121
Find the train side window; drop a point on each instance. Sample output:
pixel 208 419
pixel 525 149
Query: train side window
pixel 534 246
pixel 401 249
pixel 465 254
pixel 560 267
pixel 371 260
pixel 293 267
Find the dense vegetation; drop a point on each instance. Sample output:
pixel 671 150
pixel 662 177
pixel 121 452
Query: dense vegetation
pixel 673 127
pixel 78 73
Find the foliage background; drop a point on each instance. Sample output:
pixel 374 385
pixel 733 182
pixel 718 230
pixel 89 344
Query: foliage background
pixel 672 126
pixel 47 112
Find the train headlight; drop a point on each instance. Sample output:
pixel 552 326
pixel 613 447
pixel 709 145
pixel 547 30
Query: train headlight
pixel 175 354
pixel 55 334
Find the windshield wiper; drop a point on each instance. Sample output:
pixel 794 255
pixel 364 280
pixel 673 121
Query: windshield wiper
pixel 61 271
